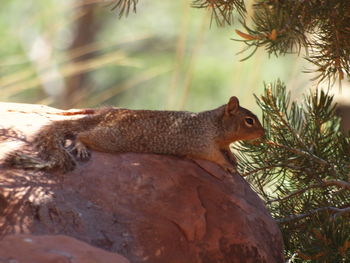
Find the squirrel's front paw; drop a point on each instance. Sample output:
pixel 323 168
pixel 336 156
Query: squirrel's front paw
pixel 230 157
pixel 230 168
pixel 80 151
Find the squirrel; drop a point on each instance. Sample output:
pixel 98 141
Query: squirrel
pixel 204 135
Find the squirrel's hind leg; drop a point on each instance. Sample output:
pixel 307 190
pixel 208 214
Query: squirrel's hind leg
pixel 62 160
pixel 55 155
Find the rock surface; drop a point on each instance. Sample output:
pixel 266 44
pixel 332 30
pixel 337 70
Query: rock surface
pixel 146 207
pixel 53 249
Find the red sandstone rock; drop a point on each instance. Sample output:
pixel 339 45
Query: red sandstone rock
pixel 146 207
pixel 53 249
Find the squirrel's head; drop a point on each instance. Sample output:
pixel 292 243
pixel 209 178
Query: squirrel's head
pixel 240 123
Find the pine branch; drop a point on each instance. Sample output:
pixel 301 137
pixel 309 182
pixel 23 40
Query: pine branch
pixel 124 7
pixel 222 10
pixel 321 27
pixel 286 26
pixel 334 210
pixel 339 183
pixel 301 168
pixel 298 151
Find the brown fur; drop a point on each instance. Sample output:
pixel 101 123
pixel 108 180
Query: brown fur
pixel 204 135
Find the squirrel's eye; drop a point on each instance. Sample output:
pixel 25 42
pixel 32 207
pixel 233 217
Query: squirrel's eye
pixel 249 121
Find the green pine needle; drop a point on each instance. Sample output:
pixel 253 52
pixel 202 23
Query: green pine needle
pixel 302 169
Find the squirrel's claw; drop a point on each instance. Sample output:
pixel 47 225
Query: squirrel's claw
pixel 80 151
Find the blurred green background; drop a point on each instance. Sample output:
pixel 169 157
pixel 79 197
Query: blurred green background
pixel 75 53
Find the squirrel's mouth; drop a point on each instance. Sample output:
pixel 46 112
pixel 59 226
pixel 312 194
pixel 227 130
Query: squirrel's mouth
pixel 258 134
pixel 262 132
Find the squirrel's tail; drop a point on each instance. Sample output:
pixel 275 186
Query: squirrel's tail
pixel 50 144
pixel 25 161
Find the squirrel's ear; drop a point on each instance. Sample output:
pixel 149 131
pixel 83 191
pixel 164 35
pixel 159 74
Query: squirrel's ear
pixel 232 106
